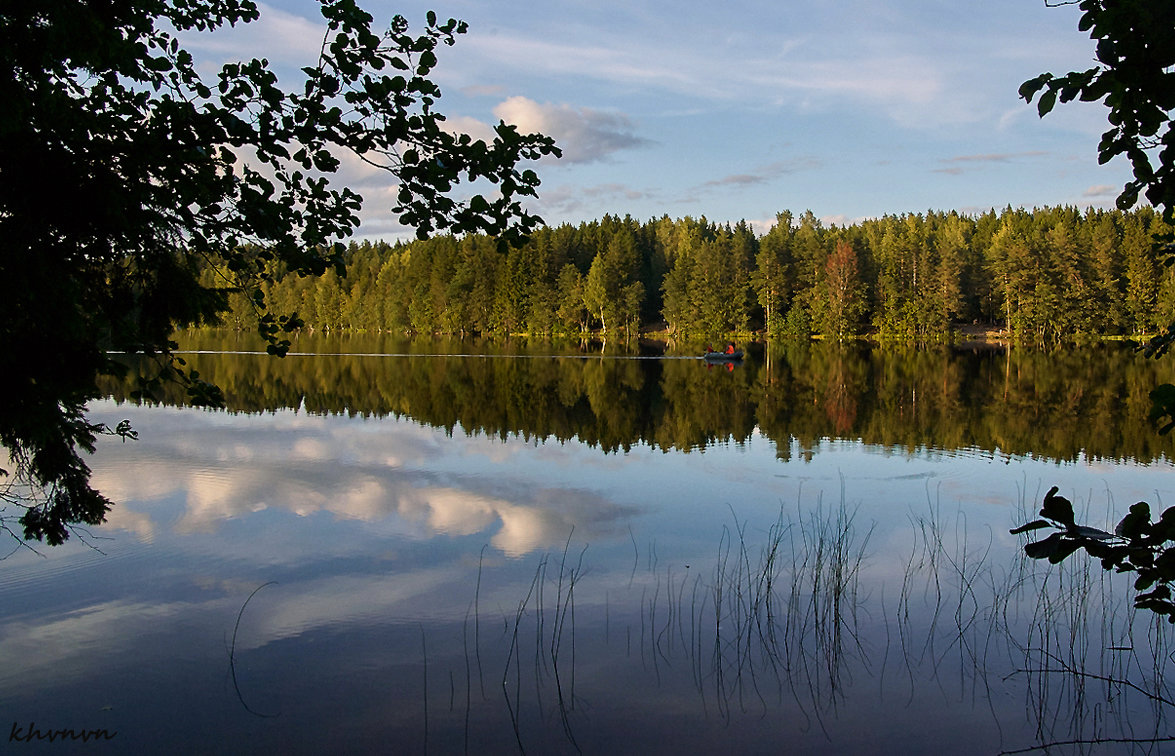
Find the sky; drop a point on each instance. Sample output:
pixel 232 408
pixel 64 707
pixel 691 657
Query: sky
pixel 852 109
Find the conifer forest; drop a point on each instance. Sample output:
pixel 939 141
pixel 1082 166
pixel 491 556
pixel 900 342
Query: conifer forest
pixel 1046 276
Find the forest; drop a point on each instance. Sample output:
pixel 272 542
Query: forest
pixel 1045 276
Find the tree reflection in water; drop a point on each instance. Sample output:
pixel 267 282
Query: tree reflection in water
pixel 1062 404
pixel 809 624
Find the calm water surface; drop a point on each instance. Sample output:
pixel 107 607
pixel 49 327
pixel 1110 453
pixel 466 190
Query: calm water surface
pixel 512 551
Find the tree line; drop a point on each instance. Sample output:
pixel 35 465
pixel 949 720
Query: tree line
pixel 1049 275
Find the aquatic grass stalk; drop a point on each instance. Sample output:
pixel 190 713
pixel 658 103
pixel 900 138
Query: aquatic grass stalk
pixel 553 624
pixel 1064 631
pixel 424 696
pixel 775 615
pixel 232 654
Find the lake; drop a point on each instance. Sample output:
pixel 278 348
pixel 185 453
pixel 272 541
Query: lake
pixel 399 546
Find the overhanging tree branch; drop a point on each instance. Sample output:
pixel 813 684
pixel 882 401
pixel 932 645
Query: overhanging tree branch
pixel 120 171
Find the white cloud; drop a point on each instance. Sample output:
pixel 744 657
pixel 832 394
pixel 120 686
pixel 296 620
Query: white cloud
pixel 584 134
pixel 1012 116
pixel 766 174
pixel 761 226
pixel 278 36
pixel 959 164
pixel 471 126
pixel 480 90
pixel 841 220
pixel 921 66
pixel 836 77
pixel 802 74
pixel 597 199
pixel 599 61
pixel 1101 191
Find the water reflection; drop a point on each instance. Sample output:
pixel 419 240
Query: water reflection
pixel 1061 404
pixel 308 466
pixel 492 588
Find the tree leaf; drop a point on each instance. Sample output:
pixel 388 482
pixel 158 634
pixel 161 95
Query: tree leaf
pixel 1043 549
pixel 1135 524
pixel 1084 531
pixel 1034 525
pixel 1057 508
pixel 1064 548
pixel 1046 102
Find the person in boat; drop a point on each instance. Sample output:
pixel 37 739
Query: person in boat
pixel 730 348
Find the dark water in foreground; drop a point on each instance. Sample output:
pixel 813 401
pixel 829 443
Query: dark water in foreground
pixel 599 554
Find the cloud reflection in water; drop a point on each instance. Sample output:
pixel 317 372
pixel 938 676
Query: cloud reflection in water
pixel 394 472
pixel 382 536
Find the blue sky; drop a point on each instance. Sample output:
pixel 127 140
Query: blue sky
pixel 738 110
